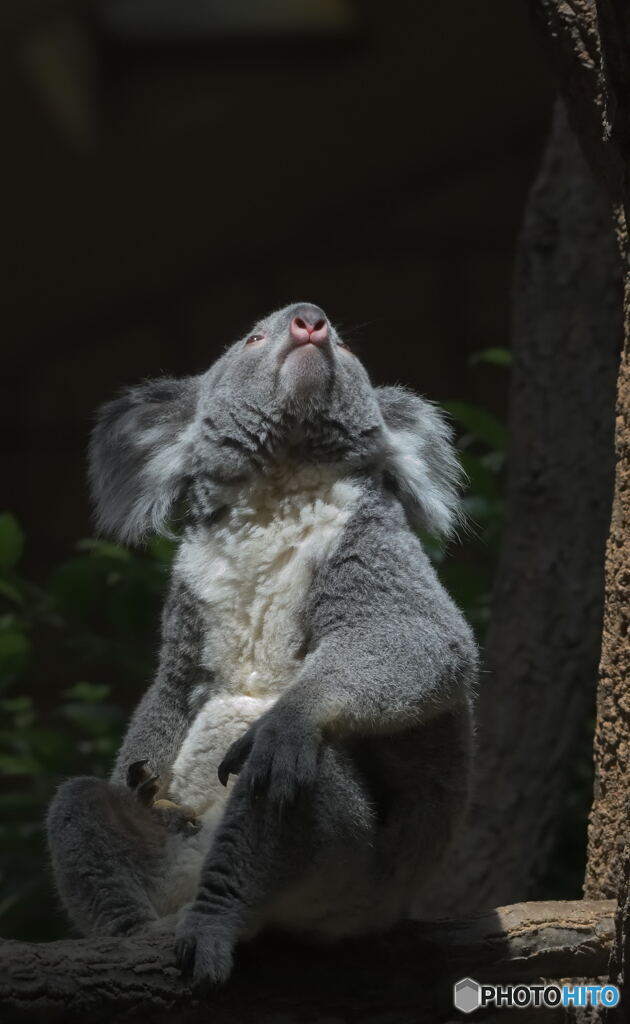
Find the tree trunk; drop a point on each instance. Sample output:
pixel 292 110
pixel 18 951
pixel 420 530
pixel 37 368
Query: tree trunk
pixel 543 644
pixel 404 977
pixel 590 44
pixel 608 826
pixel 620 957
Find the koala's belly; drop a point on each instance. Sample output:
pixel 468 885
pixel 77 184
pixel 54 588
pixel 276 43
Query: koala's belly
pixel 251 574
pixel 222 720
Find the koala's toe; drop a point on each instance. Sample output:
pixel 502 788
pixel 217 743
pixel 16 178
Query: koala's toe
pixel 213 962
pixel 204 950
pixel 185 955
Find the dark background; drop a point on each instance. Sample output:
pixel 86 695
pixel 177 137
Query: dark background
pixel 161 193
pixel 168 178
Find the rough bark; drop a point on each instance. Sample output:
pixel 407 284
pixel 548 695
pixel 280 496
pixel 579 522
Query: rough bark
pixel 590 43
pixel 543 645
pixel 620 957
pixel 405 976
pixel 608 826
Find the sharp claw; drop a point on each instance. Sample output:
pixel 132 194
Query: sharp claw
pixel 258 785
pixel 207 986
pixel 185 955
pixel 135 773
pixel 224 773
pixel 147 789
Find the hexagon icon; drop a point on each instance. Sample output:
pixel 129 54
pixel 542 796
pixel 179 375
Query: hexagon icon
pixel 466 993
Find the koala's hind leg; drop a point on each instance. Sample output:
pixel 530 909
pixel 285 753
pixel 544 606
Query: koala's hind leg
pixel 259 857
pixel 110 852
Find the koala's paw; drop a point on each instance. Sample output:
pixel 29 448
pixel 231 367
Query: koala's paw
pixel 146 786
pixel 204 948
pixel 279 755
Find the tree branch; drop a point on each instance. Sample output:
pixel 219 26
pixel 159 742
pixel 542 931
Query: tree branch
pixel 406 973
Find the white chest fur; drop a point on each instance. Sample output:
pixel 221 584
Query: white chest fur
pixel 251 574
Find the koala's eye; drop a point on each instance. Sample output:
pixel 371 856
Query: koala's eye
pixel 255 337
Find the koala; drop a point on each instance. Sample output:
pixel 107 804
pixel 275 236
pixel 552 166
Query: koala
pixel 301 760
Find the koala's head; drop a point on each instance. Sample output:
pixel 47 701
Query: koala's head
pixel 290 390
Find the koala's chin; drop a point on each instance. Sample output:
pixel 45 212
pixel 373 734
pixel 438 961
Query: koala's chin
pixel 305 374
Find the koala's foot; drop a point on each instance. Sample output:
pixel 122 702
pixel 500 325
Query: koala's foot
pixel 204 947
pixel 146 786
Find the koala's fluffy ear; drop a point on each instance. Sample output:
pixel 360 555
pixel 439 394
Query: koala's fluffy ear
pixel 420 460
pixel 139 456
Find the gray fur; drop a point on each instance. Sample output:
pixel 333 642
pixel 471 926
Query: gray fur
pixel 141 456
pixel 352 782
pixel 420 460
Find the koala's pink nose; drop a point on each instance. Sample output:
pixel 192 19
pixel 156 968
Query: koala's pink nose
pixel 309 326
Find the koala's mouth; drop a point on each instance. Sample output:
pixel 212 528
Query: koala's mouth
pixel 309 343
pixel 309 351
pixel 307 346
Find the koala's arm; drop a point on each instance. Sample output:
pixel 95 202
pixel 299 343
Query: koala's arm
pixel 386 670
pixel 379 680
pixel 389 649
pixel 163 717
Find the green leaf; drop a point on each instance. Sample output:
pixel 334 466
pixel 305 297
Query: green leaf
pixel 18 800
pixel 93 719
pixel 15 764
pixel 87 691
pixel 103 549
pixel 77 586
pixel 105 745
pixel 480 510
pixel 494 461
pixel 465 587
pixel 482 481
pixel 11 541
pixel 478 422
pixel 11 592
pixel 15 650
pixel 162 549
pixel 495 356
pixel 433 546
pixel 14 705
